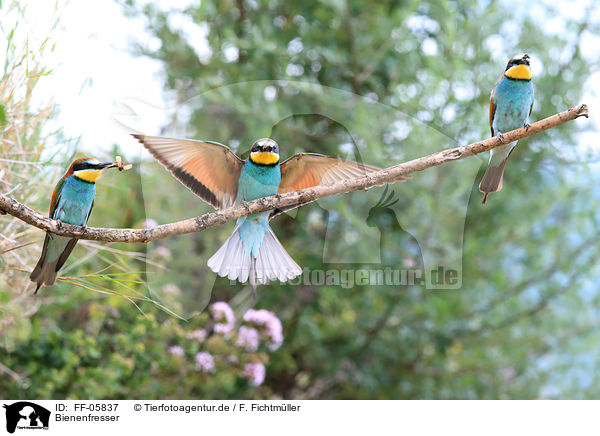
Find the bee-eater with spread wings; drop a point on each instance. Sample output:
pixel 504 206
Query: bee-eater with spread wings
pixel 215 174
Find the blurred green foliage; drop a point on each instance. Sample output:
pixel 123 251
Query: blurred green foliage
pixel 2 115
pixel 522 325
pixel 131 355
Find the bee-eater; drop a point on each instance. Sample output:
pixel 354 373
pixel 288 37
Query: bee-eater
pixel 72 202
pixel 214 173
pixel 511 103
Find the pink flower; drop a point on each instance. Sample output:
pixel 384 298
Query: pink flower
pixel 223 328
pixel 269 324
pixel 205 362
pixel 176 350
pixel 221 311
pixel 199 335
pixel 248 338
pixel 255 373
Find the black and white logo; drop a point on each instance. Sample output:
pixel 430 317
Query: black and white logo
pixel 26 415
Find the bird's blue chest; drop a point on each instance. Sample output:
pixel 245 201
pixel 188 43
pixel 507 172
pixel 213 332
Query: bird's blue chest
pixel 258 181
pixel 75 201
pixel 513 100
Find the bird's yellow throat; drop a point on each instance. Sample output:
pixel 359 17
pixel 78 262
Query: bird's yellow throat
pixel 264 157
pixel 518 72
pixel 88 175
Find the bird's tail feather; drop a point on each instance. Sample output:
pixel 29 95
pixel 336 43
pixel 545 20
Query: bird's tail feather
pixel 492 180
pixel 44 273
pixel 272 262
pixel 57 248
pixel 252 277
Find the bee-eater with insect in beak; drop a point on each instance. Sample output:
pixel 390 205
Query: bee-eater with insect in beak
pixel 72 202
pixel 214 173
pixel 511 103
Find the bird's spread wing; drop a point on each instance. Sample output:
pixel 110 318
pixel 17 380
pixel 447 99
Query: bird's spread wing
pixel 209 169
pixel 307 169
pixel 492 113
pixel 56 197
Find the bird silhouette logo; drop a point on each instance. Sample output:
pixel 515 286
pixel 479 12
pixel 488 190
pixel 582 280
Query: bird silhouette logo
pixel 398 247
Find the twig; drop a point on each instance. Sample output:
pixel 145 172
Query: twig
pixel 5 369
pixel 200 223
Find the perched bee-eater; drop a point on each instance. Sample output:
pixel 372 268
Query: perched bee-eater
pixel 511 103
pixel 214 173
pixel 72 202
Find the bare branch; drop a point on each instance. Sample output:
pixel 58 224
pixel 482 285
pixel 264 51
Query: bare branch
pixel 200 223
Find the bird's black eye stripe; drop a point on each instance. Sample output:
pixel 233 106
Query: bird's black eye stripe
pixel 263 149
pixel 83 166
pixel 520 61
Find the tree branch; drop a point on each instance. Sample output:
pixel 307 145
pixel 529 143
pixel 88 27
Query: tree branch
pixel 200 223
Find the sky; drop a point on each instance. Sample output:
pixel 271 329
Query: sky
pixel 93 70
pixel 96 80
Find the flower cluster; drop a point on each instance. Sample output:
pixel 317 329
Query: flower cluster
pixel 205 362
pixel 268 324
pixel 222 312
pixel 225 348
pixel 255 373
pixel 199 335
pixel 248 338
pixel 176 350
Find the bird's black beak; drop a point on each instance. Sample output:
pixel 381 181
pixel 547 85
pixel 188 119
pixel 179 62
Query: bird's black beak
pixel 104 165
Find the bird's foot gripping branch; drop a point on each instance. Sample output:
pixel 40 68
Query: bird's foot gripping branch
pixel 200 223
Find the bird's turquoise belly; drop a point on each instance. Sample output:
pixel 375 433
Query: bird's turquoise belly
pixel 256 182
pixel 510 117
pixel 75 202
pixel 513 99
